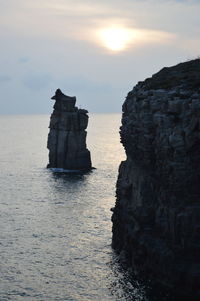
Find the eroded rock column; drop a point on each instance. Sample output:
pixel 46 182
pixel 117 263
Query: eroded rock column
pixel 67 135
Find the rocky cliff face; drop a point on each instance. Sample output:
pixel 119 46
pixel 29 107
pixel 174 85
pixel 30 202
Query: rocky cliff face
pixel 67 135
pixel 156 219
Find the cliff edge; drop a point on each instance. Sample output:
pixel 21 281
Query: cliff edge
pixel 67 135
pixel 156 219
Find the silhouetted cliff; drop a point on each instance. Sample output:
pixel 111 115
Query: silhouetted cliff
pixel 156 219
pixel 67 135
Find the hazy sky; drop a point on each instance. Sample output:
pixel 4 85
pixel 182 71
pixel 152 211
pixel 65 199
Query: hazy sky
pixel 94 49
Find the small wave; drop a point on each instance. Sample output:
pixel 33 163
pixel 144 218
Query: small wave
pixel 61 170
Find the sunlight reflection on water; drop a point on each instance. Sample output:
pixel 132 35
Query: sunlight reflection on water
pixel 55 227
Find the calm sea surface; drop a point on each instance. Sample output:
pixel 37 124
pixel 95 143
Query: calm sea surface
pixel 55 237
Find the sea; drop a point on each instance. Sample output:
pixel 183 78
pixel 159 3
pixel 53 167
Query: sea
pixel 55 227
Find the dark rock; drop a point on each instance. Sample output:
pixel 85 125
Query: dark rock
pixel 156 219
pixel 67 135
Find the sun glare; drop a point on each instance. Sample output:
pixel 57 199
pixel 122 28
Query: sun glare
pixel 116 38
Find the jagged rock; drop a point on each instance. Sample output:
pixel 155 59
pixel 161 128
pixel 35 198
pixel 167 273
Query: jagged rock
pixel 156 219
pixel 67 135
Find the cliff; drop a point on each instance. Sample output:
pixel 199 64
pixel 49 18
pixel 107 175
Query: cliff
pixel 67 135
pixel 156 219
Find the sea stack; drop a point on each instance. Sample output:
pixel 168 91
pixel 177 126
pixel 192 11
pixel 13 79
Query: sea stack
pixel 156 219
pixel 67 135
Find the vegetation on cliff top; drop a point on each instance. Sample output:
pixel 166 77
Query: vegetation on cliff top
pixel 185 75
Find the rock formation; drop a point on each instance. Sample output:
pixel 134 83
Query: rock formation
pixel 156 219
pixel 67 136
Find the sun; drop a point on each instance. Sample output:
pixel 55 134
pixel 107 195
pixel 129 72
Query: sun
pixel 116 38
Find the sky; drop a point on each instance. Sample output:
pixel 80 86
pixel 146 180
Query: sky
pixel 96 50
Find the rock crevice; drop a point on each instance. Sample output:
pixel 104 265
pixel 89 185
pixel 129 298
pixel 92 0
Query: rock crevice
pixel 156 219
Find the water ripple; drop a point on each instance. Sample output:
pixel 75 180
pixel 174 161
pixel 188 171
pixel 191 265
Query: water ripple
pixel 55 227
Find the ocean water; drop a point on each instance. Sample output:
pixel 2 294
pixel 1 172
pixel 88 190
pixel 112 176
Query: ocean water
pixel 55 237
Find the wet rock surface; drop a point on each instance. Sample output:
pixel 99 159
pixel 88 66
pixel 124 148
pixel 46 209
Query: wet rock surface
pixel 156 219
pixel 67 135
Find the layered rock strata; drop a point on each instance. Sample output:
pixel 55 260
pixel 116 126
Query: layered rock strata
pixel 156 219
pixel 67 135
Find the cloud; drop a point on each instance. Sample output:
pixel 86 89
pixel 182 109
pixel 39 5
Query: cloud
pixel 82 84
pixel 24 59
pixel 77 19
pixel 37 81
pixel 54 43
pixel 5 78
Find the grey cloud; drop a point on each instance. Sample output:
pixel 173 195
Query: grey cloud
pixel 59 55
pixel 82 84
pixel 24 59
pixel 164 15
pixel 5 78
pixel 37 81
